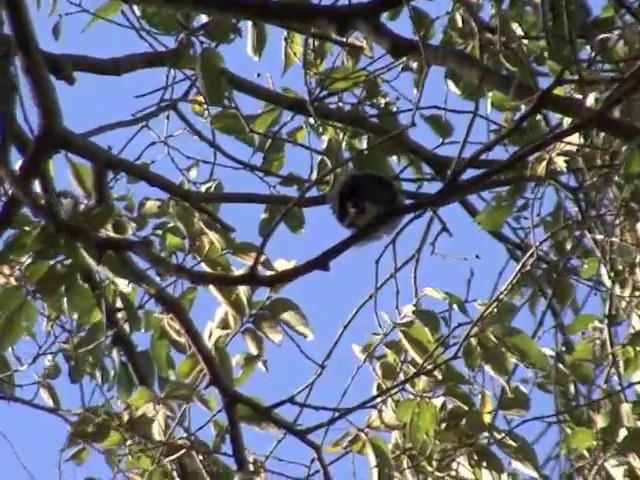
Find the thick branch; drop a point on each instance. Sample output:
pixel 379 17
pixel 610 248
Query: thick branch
pixel 45 96
pixel 170 58
pixel 45 99
pixel 400 47
pixel 282 13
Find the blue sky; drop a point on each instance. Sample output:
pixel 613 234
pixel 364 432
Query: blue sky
pixel 34 439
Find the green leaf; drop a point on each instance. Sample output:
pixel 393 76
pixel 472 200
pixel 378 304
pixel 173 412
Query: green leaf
pixel 229 122
pixel 82 177
pixel 459 395
pixel 160 352
pixel 629 444
pixel 92 340
pixel 166 20
pixel 107 10
pixel 82 304
pixel 11 298
pixel 515 402
pixel 152 208
pixel 224 361
pixel 180 391
pixel 172 242
pixel 379 458
pixel 493 356
pixel 96 217
pixel 266 119
pixel 502 102
pixel 56 29
pixel 422 23
pixel 439 124
pixel 293 49
pixel 581 439
pixel 268 326
pixel 426 418
pixel 631 167
pixel 7 378
pixel 417 340
pixel 373 160
pixel 563 290
pixel 124 380
pixel 405 409
pixel 222 29
pixel 471 355
pixel 493 217
pixel 521 452
pixel 490 460
pixel 582 372
pixel 451 298
pixel 254 341
pixel 504 313
pixel 525 349
pixel 18 245
pixel 590 267
pixel 113 441
pixel 188 297
pixel 79 455
pixel 582 322
pixel 247 252
pixel 188 366
pixel 247 364
pixel 429 319
pixel 633 340
pixel 294 220
pixel 274 156
pixel 257 39
pixel 210 72
pixel 339 79
pixel 18 316
pixel 250 417
pixel 140 397
pixel 393 14
pixel 291 315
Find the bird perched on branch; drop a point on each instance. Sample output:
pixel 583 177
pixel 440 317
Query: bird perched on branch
pixel 361 198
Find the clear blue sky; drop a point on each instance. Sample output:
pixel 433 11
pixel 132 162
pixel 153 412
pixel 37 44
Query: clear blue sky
pixel 327 298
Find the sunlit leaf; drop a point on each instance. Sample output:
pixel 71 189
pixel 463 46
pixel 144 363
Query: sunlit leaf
pixel 254 341
pixel 292 49
pixel 140 397
pixel 338 79
pixel 79 455
pixel 379 459
pixel 82 177
pixel 291 315
pixel 256 39
pixel 493 217
pixel 589 268
pixel 523 347
pixel 106 10
pixel 582 322
pixel 210 71
pixel 166 20
pixel 494 356
pixel 188 366
pixel 581 438
pixel 229 122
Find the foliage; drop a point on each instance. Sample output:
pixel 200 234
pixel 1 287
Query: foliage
pixel 520 115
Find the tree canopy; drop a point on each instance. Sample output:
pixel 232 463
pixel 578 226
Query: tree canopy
pixel 156 266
